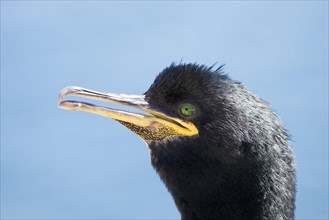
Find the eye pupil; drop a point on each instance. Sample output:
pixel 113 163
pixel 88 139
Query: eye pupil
pixel 187 109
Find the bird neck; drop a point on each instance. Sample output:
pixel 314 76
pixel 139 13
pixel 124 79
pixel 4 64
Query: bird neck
pixel 206 187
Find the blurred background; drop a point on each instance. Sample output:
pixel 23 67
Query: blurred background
pixel 58 164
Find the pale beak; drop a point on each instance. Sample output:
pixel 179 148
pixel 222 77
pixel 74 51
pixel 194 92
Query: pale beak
pixel 153 126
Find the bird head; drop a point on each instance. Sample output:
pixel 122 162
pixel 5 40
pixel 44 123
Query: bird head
pixel 179 97
pixel 178 103
pixel 187 106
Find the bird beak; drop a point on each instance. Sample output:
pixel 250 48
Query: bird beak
pixel 154 125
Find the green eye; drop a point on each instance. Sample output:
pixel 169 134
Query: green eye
pixel 187 109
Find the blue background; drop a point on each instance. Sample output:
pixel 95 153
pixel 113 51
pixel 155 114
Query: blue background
pixel 74 165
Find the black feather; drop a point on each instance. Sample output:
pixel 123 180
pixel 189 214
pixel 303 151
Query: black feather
pixel 240 166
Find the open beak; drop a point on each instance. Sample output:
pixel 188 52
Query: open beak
pixel 154 125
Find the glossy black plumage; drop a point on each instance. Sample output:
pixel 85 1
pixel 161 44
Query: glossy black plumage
pixel 220 150
pixel 239 166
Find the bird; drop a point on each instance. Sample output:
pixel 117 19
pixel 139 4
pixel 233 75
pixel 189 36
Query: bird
pixel 221 151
